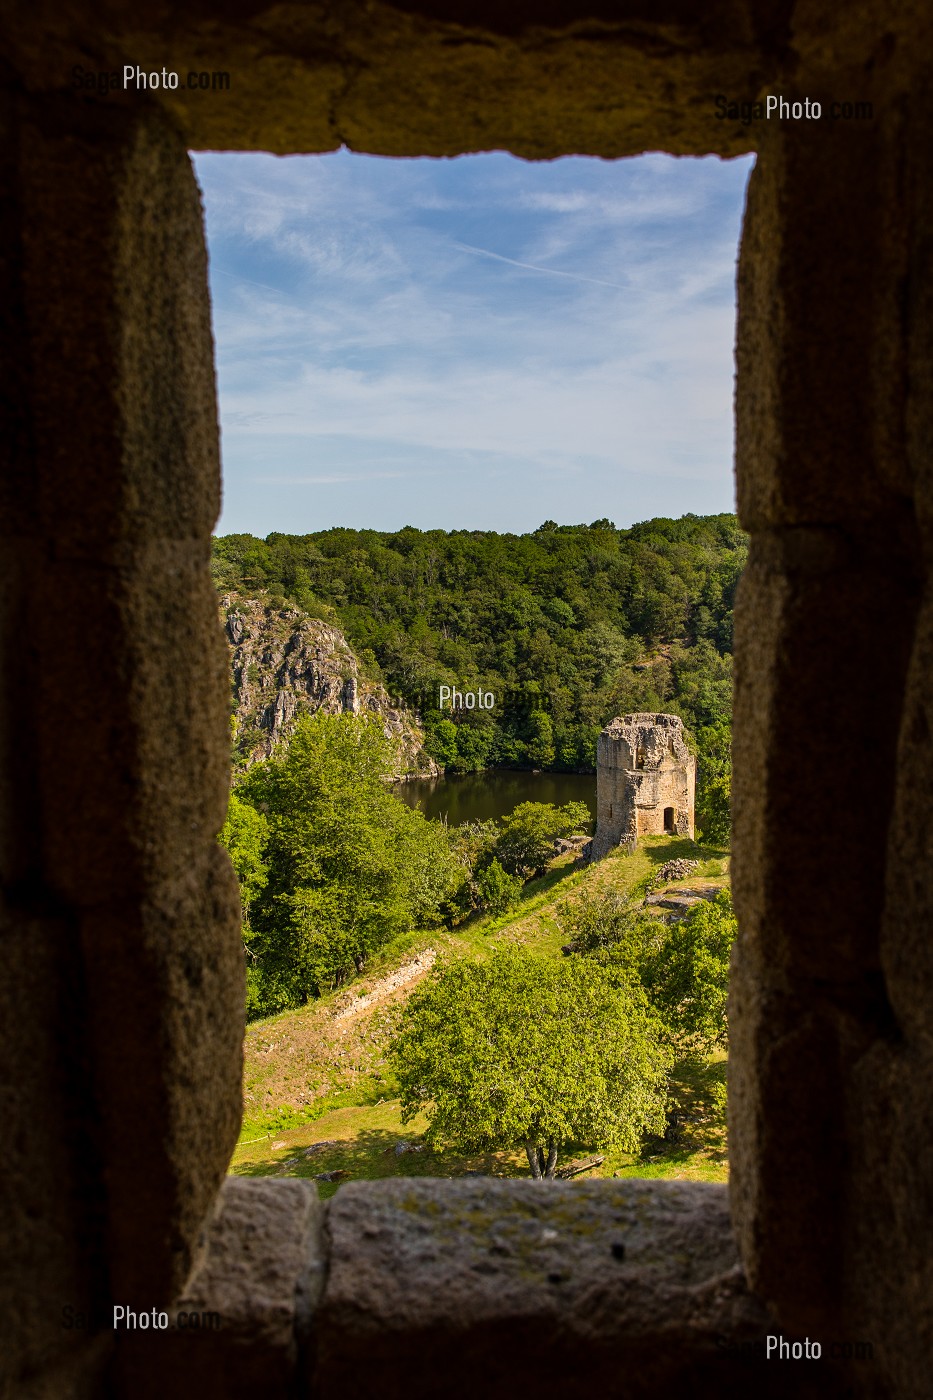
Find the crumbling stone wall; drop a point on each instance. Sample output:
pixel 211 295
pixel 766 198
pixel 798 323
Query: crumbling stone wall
pixel 645 781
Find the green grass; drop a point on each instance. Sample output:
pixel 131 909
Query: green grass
pixel 363 1140
pixel 310 1078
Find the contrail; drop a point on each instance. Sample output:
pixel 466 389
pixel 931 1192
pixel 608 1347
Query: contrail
pixel 532 267
pixel 237 278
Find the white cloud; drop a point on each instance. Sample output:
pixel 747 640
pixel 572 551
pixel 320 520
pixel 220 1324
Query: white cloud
pixel 416 323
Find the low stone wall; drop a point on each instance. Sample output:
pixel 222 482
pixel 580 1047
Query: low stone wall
pixel 385 987
pixel 422 1288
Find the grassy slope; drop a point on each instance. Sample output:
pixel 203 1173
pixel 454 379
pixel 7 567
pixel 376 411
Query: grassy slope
pixel 311 1078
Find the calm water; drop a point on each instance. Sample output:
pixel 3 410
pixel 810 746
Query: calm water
pixel 468 797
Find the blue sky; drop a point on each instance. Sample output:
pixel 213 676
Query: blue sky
pixel 477 343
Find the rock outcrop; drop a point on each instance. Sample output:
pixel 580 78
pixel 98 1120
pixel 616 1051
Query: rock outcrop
pixel 285 664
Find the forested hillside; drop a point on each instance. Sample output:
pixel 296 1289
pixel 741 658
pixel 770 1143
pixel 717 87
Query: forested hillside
pixel 566 626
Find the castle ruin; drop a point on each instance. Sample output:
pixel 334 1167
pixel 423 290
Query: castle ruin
pixel 645 781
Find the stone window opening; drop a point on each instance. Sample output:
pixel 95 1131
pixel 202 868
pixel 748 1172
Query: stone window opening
pixel 124 980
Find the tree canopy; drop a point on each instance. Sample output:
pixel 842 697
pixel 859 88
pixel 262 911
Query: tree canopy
pixel 245 834
pixel 521 1051
pixel 567 625
pixel 686 974
pixel 348 865
pixel 683 967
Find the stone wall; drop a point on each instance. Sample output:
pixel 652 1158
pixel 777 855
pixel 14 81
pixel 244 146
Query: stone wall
pixel 410 1289
pixel 122 993
pixel 121 1016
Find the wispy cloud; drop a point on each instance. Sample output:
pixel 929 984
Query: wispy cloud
pixel 377 327
pixel 337 478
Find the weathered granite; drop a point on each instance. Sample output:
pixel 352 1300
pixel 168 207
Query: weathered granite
pixel 571 1288
pixel 247 1309
pixel 285 664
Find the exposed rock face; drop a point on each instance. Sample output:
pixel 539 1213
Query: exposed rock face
pixel 285 664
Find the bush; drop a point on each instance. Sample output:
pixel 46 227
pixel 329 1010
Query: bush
pixel 498 891
pixel 529 833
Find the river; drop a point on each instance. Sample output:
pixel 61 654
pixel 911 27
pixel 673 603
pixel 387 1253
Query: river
pixel 471 797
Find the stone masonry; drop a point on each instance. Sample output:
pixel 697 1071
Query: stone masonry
pixel 645 781
pixel 121 1005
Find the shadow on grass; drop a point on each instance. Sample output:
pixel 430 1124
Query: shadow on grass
pixel 543 884
pixel 682 848
pixel 696 1113
pixel 371 1155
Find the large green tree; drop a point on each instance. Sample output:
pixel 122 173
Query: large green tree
pixel 349 864
pixel 522 1051
pixel 683 967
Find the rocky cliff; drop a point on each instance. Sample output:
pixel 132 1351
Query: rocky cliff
pixel 285 664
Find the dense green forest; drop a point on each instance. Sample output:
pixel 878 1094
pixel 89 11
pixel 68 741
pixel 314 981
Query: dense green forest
pixel 566 626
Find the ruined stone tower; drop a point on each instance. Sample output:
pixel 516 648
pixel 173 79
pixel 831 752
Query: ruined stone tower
pixel 645 779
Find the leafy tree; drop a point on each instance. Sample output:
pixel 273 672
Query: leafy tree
pixel 528 834
pixel 714 809
pixel 245 834
pixel 541 750
pixel 686 976
pixel 683 967
pixel 523 1051
pixel 474 743
pixel 498 891
pixel 349 864
pixel 440 739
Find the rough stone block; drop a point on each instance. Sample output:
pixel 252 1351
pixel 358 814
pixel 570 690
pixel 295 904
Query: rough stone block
pixel 238 1327
pixel 124 972
pixel 460 1288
